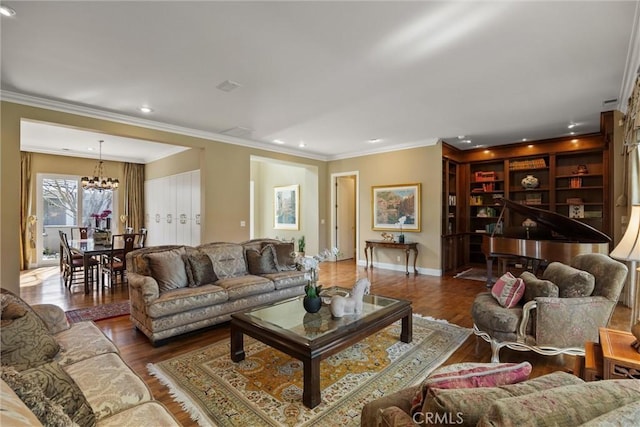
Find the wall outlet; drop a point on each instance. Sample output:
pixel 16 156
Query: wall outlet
pixel 398 258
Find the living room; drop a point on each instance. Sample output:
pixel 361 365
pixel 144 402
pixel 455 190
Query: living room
pixel 227 167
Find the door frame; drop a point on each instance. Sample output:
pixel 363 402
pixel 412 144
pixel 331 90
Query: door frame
pixel 334 178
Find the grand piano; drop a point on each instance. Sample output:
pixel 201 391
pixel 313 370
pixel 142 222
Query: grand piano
pixel 554 238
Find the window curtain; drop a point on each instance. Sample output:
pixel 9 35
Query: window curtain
pixel 631 182
pixel 133 196
pixel 27 220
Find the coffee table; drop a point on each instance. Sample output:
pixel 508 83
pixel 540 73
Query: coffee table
pixel 308 337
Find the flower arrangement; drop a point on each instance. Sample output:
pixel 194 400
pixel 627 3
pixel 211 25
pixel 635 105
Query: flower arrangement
pixel 310 265
pixel 105 213
pixel 400 223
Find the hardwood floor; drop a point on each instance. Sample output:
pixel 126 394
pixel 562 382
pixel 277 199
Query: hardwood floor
pixel 439 297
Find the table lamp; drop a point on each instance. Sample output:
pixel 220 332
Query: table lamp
pixel 629 250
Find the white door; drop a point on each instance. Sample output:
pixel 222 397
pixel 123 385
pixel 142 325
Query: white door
pixel 195 219
pixel 346 216
pixel 183 209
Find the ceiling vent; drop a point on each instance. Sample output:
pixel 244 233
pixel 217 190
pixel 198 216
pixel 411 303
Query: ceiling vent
pixel 610 104
pixel 238 132
pixel 228 85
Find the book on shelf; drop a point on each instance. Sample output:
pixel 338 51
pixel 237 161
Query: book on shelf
pixel 527 164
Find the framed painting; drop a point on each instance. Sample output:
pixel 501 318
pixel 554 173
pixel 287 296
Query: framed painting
pixel 396 207
pixel 286 201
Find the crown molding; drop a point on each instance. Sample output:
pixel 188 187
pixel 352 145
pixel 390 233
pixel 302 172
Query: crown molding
pixel 64 107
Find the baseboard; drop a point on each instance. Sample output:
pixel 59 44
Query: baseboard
pixel 401 267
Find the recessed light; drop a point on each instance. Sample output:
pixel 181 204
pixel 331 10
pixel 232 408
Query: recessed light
pixel 278 141
pixel 460 136
pixel 7 11
pixel 574 140
pixel 524 139
pixel 90 148
pixel 466 141
pixel 530 145
pixel 146 109
pixel 572 125
pixel 302 144
pixel 374 140
pixel 572 133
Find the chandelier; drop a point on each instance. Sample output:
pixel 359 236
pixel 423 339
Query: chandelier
pixel 99 181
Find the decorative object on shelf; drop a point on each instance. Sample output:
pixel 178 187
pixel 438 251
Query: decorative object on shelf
pixel 353 304
pixel 482 213
pixel 582 170
pixel 576 211
pixel 99 181
pixel 529 223
pixel 387 237
pixel 530 182
pixel 390 202
pixel 629 250
pixel 400 222
pixel 481 176
pixel 286 202
pixel 575 182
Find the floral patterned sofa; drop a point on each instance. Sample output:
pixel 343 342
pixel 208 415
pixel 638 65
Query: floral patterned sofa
pixel 56 374
pixel 178 289
pixel 495 394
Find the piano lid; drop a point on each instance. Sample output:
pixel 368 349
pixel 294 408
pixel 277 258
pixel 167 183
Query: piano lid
pixel 571 229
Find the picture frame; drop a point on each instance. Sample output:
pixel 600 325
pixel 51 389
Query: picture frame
pixel 391 202
pixel 286 202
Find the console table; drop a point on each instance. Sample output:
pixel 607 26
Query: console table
pixel 407 247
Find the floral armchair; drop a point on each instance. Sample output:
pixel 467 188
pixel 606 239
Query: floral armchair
pixel 558 313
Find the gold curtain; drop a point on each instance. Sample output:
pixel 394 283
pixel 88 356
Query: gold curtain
pixel 631 144
pixel 27 220
pixel 134 196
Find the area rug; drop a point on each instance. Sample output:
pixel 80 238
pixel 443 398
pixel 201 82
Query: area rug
pixel 99 312
pixel 265 389
pixel 479 274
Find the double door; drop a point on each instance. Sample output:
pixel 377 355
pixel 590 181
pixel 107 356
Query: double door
pixel 172 209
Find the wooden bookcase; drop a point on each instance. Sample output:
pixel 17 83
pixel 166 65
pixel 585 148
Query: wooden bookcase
pixel 573 180
pixel 453 202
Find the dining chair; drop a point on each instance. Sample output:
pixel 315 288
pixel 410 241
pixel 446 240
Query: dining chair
pixel 83 233
pixel 143 238
pixel 72 264
pixel 114 264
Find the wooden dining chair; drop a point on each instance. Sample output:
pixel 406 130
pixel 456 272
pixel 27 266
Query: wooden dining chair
pixel 83 233
pixel 114 264
pixel 73 264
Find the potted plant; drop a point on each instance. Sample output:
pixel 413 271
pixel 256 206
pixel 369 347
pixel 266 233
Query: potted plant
pixel 301 245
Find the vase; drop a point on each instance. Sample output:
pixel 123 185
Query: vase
pixel 312 304
pixel 108 226
pixel 97 223
pixel 530 182
pixel 401 238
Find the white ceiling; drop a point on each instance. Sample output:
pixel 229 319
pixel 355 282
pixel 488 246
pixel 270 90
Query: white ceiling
pixel 331 74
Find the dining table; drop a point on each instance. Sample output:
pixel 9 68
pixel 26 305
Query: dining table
pixel 88 248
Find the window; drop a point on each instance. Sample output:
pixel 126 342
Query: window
pixel 62 205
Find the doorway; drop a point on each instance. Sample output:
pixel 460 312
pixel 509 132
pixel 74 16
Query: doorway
pixel 345 213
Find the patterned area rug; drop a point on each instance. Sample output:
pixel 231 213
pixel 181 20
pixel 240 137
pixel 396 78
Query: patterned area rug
pixel 100 312
pixel 265 389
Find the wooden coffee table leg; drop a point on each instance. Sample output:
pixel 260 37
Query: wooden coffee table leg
pixel 237 344
pixel 407 329
pixel 311 388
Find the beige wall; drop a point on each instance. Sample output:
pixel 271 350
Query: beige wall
pixel 423 165
pixel 225 171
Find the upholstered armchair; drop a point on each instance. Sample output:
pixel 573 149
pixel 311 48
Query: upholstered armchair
pixel 557 313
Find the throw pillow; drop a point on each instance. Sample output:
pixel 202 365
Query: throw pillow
pixel 508 290
pixel 263 261
pixel 199 269
pixel 285 255
pixel 25 340
pixel 168 268
pixel 534 287
pixel 61 389
pixel 471 376
pixel 571 282
pixel 49 413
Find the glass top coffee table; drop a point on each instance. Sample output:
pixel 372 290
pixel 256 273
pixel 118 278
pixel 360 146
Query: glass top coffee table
pixel 311 337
